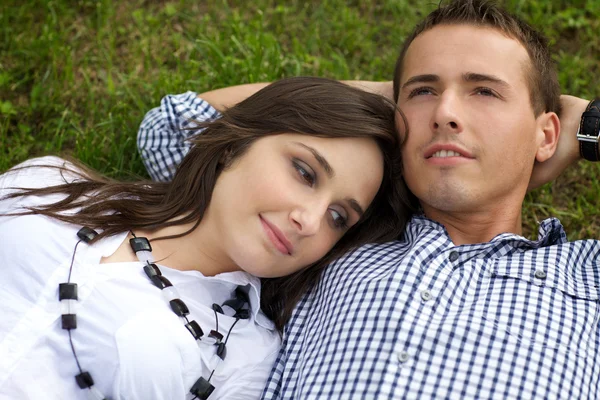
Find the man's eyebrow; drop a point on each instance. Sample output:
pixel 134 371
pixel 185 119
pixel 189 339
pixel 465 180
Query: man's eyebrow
pixel 467 77
pixel 475 77
pixel 427 78
pixel 320 159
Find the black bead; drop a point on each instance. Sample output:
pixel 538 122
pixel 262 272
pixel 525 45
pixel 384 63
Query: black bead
pixel 202 389
pixel 240 293
pixel 86 234
pixel 217 308
pixel 140 244
pixel 236 303
pixel 69 321
pixel 84 380
pixel 161 282
pixel 239 301
pixel 221 350
pixel 67 291
pixel 216 335
pixel 152 270
pixel 194 329
pixel 242 314
pixel 179 307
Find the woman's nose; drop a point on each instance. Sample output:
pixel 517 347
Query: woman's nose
pixel 308 219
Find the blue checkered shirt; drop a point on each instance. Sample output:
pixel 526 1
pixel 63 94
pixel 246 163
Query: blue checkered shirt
pixel 422 318
pixel 162 135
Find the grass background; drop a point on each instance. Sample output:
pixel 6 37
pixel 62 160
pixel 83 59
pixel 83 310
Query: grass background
pixel 77 76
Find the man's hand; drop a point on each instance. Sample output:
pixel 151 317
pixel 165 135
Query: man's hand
pixel 567 151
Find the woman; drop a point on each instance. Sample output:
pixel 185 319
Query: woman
pixel 271 192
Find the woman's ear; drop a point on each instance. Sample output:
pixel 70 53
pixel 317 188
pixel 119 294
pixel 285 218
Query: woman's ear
pixel 548 132
pixel 226 158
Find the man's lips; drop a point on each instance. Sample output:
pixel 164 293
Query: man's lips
pixel 277 237
pixel 446 151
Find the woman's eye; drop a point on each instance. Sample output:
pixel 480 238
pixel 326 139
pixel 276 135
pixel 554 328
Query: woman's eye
pixel 339 221
pixel 304 172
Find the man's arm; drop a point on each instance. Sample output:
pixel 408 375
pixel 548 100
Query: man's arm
pixel 224 98
pixel 230 96
pixel 567 151
pixel 163 145
pixel 162 136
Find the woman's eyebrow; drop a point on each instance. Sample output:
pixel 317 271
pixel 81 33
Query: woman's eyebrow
pixel 356 207
pixel 331 173
pixel 320 159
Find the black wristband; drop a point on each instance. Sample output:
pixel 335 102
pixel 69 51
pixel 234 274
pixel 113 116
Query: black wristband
pixel 589 132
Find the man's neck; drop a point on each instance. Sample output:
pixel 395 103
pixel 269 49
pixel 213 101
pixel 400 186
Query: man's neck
pixel 479 227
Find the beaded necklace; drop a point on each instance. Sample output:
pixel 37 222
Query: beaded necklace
pixel 238 307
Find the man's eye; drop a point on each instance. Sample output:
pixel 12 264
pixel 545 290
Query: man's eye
pixel 486 92
pixel 420 91
pixel 339 221
pixel 304 173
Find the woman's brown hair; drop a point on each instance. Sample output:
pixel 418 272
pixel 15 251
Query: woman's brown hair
pixel 312 106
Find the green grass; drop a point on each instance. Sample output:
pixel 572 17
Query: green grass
pixel 77 76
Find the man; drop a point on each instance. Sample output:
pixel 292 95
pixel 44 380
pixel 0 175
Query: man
pixel 461 306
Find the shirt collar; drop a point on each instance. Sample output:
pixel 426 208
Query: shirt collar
pixel 550 232
pixel 108 246
pixel 253 288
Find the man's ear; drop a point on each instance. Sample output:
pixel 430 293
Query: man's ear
pixel 548 131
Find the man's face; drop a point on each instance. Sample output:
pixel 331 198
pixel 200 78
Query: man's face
pixel 473 134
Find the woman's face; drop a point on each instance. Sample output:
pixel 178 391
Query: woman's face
pixel 289 198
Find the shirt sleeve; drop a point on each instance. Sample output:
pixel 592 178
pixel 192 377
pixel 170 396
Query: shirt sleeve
pixel 285 378
pixel 163 133
pixel 37 173
pixel 272 388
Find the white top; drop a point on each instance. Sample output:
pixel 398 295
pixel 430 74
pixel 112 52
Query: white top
pixel 127 336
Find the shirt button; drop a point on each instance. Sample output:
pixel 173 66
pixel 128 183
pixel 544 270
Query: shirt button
pixel 403 356
pixel 540 274
pixel 426 295
pixel 453 256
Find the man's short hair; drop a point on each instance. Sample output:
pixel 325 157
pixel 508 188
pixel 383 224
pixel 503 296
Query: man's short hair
pixel 540 74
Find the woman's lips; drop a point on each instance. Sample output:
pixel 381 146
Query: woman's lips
pixel 277 237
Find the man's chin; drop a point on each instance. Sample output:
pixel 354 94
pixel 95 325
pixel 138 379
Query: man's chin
pixel 448 198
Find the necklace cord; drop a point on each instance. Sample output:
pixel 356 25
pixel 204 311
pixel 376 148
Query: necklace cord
pixel 230 329
pixel 216 320
pixel 67 295
pixel 72 261
pixel 202 388
pixel 69 331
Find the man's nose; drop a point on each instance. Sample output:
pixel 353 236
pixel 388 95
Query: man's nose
pixel 447 114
